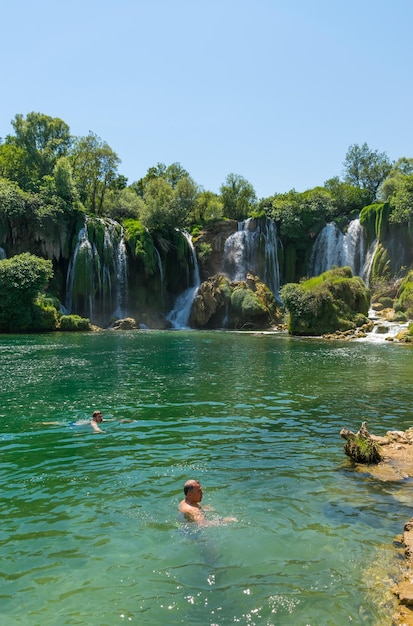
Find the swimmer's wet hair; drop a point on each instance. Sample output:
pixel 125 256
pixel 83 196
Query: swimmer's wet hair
pixel 189 485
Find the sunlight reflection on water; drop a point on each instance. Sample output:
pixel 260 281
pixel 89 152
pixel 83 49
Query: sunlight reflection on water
pixel 89 528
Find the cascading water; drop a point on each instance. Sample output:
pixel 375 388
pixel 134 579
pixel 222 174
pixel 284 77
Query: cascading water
pixel 121 284
pixel 96 282
pixel 368 262
pixel 160 268
pixel 253 248
pixel 179 316
pixel 333 248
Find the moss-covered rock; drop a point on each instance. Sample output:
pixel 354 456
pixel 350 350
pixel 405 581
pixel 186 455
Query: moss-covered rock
pixel 73 323
pixel 404 301
pixel 335 300
pixel 238 304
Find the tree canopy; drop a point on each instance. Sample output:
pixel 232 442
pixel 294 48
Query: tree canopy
pixel 61 172
pixel 366 168
pixel 238 197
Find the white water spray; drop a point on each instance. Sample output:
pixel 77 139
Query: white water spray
pixel 253 248
pixel 179 316
pixel 333 248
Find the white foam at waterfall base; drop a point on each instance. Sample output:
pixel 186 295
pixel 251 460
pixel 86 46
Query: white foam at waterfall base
pixel 179 316
pixel 383 330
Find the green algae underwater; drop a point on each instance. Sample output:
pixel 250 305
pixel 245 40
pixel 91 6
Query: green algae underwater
pixel 90 532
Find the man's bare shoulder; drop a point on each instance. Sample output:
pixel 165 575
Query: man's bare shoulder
pixel 190 512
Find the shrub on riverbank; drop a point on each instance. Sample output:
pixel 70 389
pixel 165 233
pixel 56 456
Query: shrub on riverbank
pixel 404 300
pixel 22 278
pixel 73 323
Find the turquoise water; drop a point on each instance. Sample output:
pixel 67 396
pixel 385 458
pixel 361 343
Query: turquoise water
pixel 89 531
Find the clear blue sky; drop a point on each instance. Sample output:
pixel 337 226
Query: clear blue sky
pixel 275 91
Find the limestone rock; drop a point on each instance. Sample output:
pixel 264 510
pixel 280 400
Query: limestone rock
pixel 220 303
pixel 127 323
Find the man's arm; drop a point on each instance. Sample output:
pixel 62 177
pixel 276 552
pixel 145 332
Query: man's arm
pixel 96 427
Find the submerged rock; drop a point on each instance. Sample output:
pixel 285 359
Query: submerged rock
pixel 403 590
pixel 396 464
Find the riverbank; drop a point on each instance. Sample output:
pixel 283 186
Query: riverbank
pixel 397 453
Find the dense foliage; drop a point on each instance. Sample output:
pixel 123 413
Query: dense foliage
pixel 335 300
pixel 50 180
pixel 60 172
pixel 21 279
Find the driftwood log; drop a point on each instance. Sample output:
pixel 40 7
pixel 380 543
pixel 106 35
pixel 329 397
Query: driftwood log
pixel 361 447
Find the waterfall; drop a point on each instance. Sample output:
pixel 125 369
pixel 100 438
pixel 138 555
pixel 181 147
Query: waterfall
pixel 333 248
pixel 271 267
pixel 121 284
pixel 253 248
pixel 368 263
pixel 3 254
pixel 179 316
pixel 160 268
pixel 83 255
pixel 96 281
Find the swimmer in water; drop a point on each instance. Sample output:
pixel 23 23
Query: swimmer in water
pixel 190 507
pixel 97 418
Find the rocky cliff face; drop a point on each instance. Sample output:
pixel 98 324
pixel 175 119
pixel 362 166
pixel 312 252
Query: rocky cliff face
pixel 247 304
pixel 214 237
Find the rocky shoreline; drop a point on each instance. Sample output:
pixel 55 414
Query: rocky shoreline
pixel 396 449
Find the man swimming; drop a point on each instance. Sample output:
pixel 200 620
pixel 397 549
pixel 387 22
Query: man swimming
pixel 97 418
pixel 190 507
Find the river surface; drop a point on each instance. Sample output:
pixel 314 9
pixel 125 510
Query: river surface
pixel 89 532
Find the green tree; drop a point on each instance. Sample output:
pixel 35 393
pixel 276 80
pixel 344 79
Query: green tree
pixel 238 197
pixel 171 174
pixel 401 201
pixel 41 140
pixel 14 165
pixel 22 278
pixel 403 167
pixel 158 201
pixel 347 198
pixel 208 206
pixel 122 204
pixel 366 168
pixel 94 165
pixel 185 193
pixel 302 215
pixel 169 195
pixel 12 200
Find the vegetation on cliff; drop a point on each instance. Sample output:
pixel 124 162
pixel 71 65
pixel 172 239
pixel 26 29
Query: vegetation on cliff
pixel 52 182
pixel 335 300
pixel 22 309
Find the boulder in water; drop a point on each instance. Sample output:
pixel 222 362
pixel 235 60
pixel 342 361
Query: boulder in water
pixel 127 323
pixel 247 304
pixel 333 301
